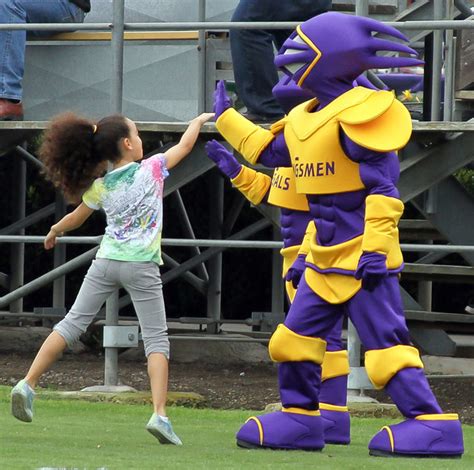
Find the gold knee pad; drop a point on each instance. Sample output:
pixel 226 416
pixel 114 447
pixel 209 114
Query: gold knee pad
pixel 382 364
pixel 287 346
pixel 335 364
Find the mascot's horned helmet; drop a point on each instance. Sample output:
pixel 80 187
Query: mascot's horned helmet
pixel 339 47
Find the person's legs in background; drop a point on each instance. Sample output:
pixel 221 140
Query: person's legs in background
pixel 252 57
pixel 252 50
pixel 12 45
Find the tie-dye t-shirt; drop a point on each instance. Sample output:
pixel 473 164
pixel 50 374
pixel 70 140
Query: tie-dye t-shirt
pixel 132 198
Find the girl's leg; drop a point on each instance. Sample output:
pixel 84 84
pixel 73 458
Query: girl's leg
pixel 93 293
pixel 143 283
pixel 49 352
pixel 158 373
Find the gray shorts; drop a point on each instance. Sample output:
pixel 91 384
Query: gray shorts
pixel 141 280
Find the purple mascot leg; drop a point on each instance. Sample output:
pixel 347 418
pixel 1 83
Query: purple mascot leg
pixel 299 425
pixel 333 392
pixel 392 363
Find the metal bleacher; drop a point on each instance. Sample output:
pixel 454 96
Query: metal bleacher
pixel 162 90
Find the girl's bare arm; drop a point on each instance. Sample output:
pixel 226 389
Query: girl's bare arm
pixel 176 153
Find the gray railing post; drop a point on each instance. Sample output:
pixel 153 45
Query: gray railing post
pixel 111 309
pixel 202 60
pixel 59 285
pixel 358 377
pixel 215 263
pixel 17 254
pixel 117 55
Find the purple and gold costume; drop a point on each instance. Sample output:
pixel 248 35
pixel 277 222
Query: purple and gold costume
pixel 341 146
pixel 280 191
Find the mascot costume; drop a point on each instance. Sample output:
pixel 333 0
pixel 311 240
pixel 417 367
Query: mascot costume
pixel 280 191
pixel 342 147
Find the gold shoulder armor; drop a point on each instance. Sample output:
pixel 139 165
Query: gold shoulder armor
pixel 380 123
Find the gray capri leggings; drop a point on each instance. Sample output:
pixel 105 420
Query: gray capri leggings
pixel 141 280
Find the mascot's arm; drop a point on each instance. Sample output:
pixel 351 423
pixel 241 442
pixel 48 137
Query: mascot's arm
pixel 371 142
pixel 254 143
pixel 379 171
pixel 253 185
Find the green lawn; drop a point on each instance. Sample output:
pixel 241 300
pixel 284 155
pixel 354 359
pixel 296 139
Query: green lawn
pixel 78 434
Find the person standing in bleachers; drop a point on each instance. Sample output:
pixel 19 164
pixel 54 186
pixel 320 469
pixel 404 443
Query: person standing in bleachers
pixel 12 43
pixel 252 51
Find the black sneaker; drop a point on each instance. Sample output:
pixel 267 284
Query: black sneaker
pixel 470 306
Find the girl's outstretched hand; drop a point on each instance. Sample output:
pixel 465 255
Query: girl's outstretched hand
pixel 204 117
pixel 222 100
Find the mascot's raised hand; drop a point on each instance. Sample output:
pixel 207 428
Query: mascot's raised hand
pixel 222 100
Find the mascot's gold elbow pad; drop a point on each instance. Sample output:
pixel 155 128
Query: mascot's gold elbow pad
pixel 382 214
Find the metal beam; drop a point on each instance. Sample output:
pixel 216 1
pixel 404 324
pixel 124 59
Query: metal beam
pixel 430 166
pixel 456 225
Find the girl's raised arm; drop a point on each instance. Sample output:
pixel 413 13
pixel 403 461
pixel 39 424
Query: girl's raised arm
pixel 176 153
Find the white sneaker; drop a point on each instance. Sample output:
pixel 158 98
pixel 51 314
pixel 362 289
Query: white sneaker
pixel 22 396
pixel 163 430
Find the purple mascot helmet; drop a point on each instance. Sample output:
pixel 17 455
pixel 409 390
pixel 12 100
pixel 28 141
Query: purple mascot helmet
pixel 328 52
pixel 342 147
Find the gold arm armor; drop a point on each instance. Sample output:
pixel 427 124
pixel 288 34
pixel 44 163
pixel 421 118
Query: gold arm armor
pixel 245 136
pixel 252 184
pixel 382 214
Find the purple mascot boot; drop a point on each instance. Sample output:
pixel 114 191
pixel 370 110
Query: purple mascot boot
pixel 427 431
pixel 282 430
pixel 299 425
pixel 435 435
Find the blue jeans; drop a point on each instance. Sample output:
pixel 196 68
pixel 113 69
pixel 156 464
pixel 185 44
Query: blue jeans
pixel 252 50
pixel 12 43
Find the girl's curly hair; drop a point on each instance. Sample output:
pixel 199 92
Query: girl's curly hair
pixel 74 150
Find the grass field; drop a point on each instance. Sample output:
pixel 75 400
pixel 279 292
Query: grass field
pixel 83 435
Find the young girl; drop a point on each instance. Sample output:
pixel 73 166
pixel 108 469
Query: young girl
pixel 75 151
